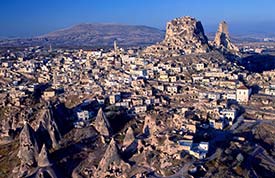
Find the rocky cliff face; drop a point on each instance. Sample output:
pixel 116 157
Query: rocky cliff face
pixel 184 35
pixel 222 39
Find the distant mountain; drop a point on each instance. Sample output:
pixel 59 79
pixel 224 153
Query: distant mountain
pixel 93 35
pixel 249 37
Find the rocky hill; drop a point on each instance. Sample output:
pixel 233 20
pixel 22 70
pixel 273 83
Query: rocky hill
pixel 93 35
pixel 184 35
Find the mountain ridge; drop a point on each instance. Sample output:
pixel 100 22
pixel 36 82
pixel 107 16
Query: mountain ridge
pixel 93 35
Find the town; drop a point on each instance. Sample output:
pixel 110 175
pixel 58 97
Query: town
pixel 164 104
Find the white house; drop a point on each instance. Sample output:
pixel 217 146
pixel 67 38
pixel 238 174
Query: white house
pixel 214 96
pixel 199 66
pixel 270 90
pixel 242 94
pixel 186 144
pixel 114 98
pixel 172 89
pixel 83 115
pixel 204 146
pixel 140 109
pixel 230 114
pixel 231 96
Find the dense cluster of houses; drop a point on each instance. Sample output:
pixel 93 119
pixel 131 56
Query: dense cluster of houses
pixel 214 88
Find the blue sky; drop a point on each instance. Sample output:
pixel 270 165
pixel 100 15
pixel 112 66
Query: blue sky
pixel 24 18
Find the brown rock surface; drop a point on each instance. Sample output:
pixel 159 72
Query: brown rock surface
pixel 111 164
pixel 129 137
pixel 28 150
pixel 184 35
pixel 43 160
pixel 149 127
pixel 222 39
pixel 101 124
pixel 48 124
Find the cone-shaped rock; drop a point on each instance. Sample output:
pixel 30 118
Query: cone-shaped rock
pixel 43 160
pixel 28 149
pixel 101 124
pixel 111 156
pixel 222 39
pixel 111 164
pixel 48 127
pixel 129 137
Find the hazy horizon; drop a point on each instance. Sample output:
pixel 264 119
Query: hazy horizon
pixel 32 18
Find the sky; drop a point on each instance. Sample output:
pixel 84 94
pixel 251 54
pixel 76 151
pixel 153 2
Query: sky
pixel 28 18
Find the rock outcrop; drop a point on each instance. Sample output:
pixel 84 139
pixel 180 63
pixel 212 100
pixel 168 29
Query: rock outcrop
pixel 43 160
pixel 184 35
pixel 111 164
pixel 48 128
pixel 129 137
pixel 222 39
pixel 46 173
pixel 169 147
pixel 44 168
pixel 102 125
pixel 149 126
pixel 28 150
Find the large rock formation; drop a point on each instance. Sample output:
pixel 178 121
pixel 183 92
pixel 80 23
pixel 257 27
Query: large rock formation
pixel 111 164
pixel 101 124
pixel 222 39
pixel 28 150
pixel 33 163
pixel 184 35
pixel 48 128
pixel 169 147
pixel 45 169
